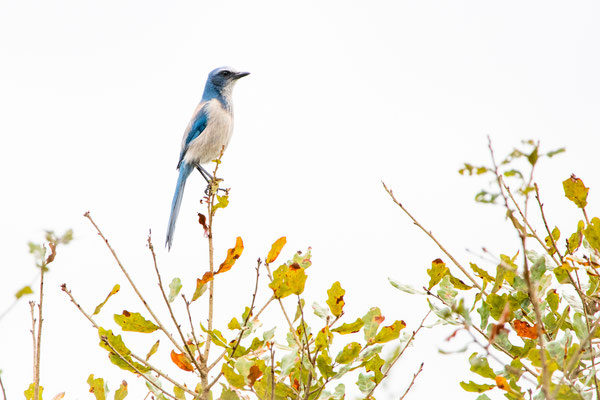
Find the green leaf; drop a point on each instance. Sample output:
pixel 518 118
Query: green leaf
pixel 592 233
pixel 365 383
pixel 562 273
pixel 476 387
pixel 324 338
pixel 553 300
pixel 234 379
pixel 222 202
pixel 404 287
pixel 30 392
pixel 121 392
pixel 234 324
pixel 227 394
pixel 348 353
pixel 391 332
pixel 575 239
pixel 268 335
pixel 174 288
pixel 533 156
pixel 371 321
pixel 446 291
pixel 480 366
pixel 153 350
pixel 97 387
pixel 484 313
pixel 126 363
pixel 552 153
pixel 319 311
pixel 114 290
pixel 549 241
pixel 288 362
pixel 23 292
pixel 480 272
pixel 300 308
pixel 216 336
pixel 324 365
pixel 353 327
pixel 114 340
pixel 437 271
pixel 335 299
pixel 303 260
pixel 134 322
pixel 288 280
pixel 374 365
pixel 576 191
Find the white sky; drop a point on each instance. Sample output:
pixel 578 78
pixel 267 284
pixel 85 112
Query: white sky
pixel 95 97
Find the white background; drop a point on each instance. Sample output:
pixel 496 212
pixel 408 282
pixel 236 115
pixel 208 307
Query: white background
pixel 95 97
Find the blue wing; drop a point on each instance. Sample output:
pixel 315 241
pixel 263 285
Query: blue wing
pixel 195 128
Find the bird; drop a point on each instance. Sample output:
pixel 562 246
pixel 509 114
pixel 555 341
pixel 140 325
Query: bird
pixel 207 134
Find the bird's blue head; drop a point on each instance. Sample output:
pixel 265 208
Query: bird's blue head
pixel 220 83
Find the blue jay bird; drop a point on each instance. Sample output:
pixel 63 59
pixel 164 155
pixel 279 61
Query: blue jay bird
pixel 207 134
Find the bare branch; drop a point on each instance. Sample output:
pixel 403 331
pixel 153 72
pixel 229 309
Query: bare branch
pixel 412 382
pixel 114 254
pixel 428 233
pixel 199 368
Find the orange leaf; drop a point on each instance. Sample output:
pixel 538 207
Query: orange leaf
pixel 276 249
pixel 525 330
pixel 502 383
pixel 254 374
pixel 207 277
pixel 232 256
pixel 181 361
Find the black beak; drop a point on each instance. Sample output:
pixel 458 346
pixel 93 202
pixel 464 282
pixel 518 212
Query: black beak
pixel 239 75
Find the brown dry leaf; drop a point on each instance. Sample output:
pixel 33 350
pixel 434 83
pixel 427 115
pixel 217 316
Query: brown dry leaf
pixel 525 330
pixel 202 221
pixel 254 374
pixel 181 361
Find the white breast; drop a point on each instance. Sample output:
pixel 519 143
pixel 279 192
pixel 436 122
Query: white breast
pixel 214 138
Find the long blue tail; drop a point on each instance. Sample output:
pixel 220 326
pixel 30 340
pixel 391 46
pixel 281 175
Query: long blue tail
pixel 184 171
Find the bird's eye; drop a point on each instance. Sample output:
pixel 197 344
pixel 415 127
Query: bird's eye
pixel 225 73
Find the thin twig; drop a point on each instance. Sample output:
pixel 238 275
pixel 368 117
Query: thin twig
pixel 38 342
pixel 177 326
pixel 114 254
pixel 2 386
pixel 32 312
pixel 428 233
pixel 193 331
pixel 412 382
pixel 272 371
pixel 213 188
pixel 397 357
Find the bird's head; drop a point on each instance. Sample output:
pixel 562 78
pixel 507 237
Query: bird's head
pixel 222 80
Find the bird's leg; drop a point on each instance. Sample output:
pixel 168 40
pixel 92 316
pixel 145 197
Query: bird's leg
pixel 208 177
